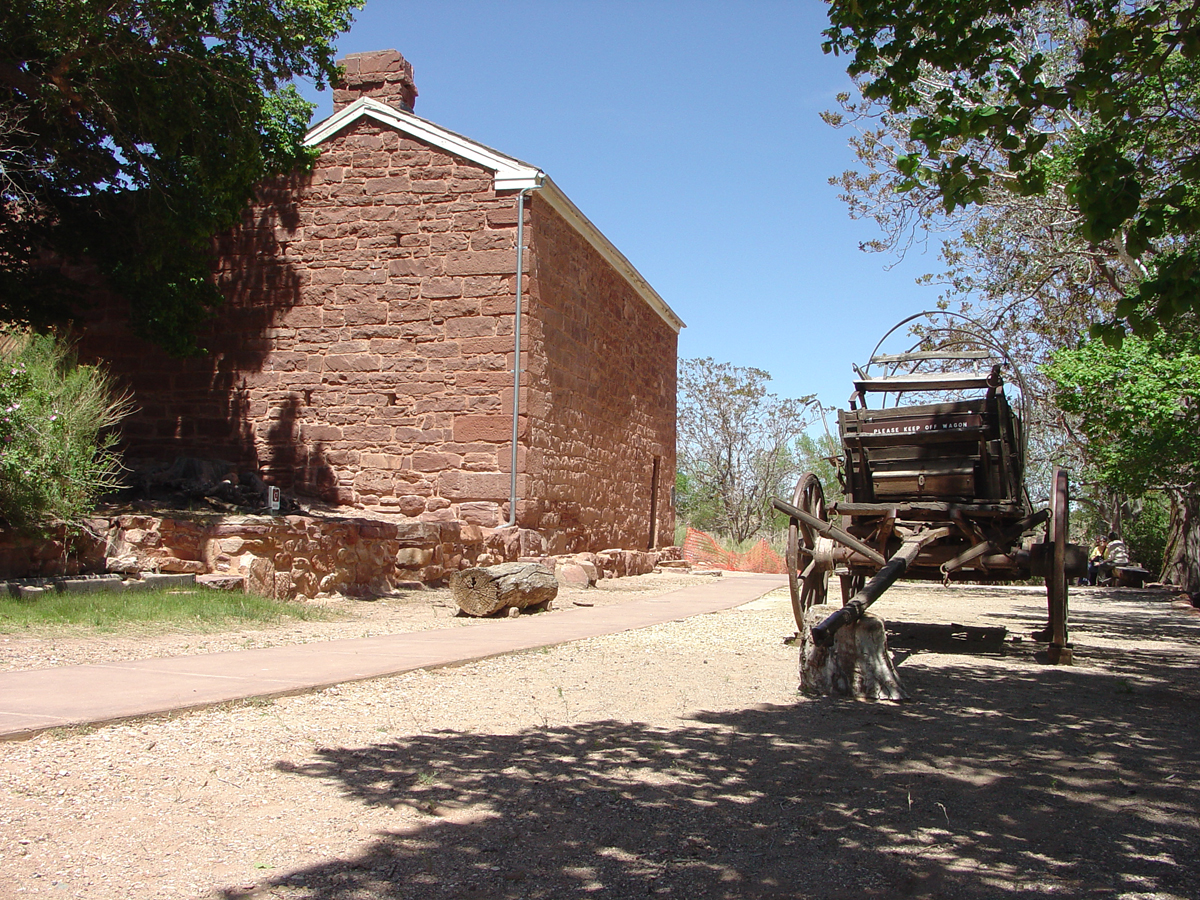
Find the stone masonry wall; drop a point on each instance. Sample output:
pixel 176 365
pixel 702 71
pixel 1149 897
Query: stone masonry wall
pixel 602 376
pixel 299 557
pixel 290 557
pixel 365 350
pixel 364 353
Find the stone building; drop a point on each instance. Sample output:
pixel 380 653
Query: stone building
pixel 365 352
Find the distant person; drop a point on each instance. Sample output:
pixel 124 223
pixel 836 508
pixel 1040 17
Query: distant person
pixel 1095 558
pixel 1115 554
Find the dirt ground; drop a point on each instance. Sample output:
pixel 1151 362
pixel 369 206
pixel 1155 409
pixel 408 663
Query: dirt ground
pixel 678 760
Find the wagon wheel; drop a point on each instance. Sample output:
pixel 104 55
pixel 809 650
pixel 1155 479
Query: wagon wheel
pixel 851 585
pixel 806 580
pixel 1056 575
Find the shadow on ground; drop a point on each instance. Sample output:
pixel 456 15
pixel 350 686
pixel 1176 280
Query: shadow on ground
pixel 1006 780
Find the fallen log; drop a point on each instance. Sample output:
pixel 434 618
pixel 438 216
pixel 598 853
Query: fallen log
pixel 487 591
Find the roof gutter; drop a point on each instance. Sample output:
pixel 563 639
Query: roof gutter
pixel 516 415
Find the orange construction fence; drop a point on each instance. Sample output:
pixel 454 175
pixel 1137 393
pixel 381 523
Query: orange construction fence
pixel 701 549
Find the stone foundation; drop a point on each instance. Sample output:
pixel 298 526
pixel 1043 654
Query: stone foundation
pixel 300 557
pixel 54 554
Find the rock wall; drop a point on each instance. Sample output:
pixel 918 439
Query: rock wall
pixel 294 556
pixel 300 557
pixel 602 442
pixel 364 352
pixel 59 553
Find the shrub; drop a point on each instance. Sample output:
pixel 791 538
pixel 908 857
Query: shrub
pixel 1146 533
pixel 56 431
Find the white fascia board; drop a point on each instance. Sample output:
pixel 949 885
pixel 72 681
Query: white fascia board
pixel 510 174
pixel 561 204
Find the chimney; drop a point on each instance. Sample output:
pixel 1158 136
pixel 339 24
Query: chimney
pixel 383 74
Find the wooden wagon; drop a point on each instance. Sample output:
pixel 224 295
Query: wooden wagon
pixel 933 491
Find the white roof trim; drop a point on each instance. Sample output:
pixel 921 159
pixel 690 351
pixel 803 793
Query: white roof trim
pixel 510 175
pixel 561 204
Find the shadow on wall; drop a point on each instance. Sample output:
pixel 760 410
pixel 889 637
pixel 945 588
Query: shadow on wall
pixel 286 459
pixel 231 402
pixel 1066 782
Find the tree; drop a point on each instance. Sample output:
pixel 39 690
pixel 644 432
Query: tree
pixel 1012 189
pixel 1139 408
pixel 1090 103
pixel 1015 263
pixel 132 131
pixel 819 455
pixel 735 443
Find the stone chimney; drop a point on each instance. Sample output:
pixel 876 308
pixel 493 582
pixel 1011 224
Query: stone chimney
pixel 383 74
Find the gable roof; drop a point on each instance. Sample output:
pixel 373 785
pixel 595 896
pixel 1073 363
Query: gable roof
pixel 510 174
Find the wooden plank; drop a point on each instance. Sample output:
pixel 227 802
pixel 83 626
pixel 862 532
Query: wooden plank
pixel 924 466
pixel 920 454
pixel 923 506
pixel 908 484
pixel 994 469
pixel 885 435
pixel 924 477
pixel 952 407
pixel 918 355
pixel 947 381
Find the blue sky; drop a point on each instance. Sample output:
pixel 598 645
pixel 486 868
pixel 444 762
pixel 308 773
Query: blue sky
pixel 689 133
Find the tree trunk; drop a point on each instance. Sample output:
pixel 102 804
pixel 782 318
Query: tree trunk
pixel 484 592
pixel 1181 561
pixel 857 665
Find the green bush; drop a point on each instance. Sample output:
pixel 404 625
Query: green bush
pixel 1146 533
pixel 56 432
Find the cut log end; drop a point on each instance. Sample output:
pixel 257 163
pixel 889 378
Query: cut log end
pixel 487 591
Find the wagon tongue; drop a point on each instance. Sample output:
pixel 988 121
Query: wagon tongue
pixel 823 634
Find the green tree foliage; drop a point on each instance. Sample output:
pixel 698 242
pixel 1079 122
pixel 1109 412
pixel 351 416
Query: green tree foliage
pixel 1088 103
pixel 56 432
pixel 132 131
pixel 1147 531
pixel 734 446
pixel 1138 407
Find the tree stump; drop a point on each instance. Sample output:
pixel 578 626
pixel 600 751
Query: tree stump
pixel 487 591
pixel 857 665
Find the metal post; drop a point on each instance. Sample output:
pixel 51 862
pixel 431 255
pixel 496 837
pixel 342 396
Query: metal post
pixel 516 416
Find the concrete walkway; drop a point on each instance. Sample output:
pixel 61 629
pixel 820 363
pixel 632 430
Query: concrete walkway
pixel 35 700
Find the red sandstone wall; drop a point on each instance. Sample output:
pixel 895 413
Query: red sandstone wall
pixel 603 369
pixel 365 355
pixel 365 350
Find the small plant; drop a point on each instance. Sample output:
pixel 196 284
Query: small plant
pixel 56 432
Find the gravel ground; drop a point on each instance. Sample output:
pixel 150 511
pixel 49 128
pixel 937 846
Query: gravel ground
pixel 677 760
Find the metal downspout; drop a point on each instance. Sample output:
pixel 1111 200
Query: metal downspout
pixel 516 416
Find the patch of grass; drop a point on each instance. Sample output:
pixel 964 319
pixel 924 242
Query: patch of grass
pixel 201 609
